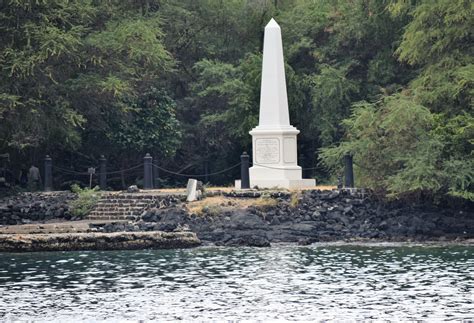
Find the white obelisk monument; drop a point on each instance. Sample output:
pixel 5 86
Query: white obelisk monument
pixel 275 161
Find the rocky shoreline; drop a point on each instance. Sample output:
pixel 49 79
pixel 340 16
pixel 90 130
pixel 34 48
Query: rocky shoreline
pixel 254 218
pixel 97 241
pixel 311 216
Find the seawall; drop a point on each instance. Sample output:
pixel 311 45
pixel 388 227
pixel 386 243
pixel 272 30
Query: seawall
pixel 97 241
pixel 257 218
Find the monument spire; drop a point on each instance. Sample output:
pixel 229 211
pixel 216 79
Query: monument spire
pixel 274 146
pixel 273 97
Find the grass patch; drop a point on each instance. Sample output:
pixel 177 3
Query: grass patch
pixel 215 205
pixel 86 200
pixel 294 199
pixel 212 210
pixel 265 202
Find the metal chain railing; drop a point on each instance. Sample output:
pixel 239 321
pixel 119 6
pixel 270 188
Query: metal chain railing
pixel 73 172
pixel 148 166
pixel 122 170
pixel 69 171
pixel 196 175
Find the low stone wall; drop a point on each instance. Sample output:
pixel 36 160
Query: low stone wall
pixel 307 217
pixel 97 241
pixel 312 216
pixel 37 206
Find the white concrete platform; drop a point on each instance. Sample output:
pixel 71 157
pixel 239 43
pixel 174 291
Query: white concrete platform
pixel 284 183
pixel 279 183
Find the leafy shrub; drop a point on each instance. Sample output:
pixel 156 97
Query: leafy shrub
pixel 86 200
pixel 400 148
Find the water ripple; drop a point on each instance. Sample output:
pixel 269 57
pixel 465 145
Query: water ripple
pixel 284 282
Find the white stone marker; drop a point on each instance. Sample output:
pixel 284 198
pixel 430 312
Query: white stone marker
pixel 191 191
pixel 275 161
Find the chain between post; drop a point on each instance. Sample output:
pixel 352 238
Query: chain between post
pixel 196 175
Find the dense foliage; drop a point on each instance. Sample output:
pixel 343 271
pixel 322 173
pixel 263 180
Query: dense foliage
pixel 390 81
pixel 420 140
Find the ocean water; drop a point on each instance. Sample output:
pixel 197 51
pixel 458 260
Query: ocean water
pixel 286 282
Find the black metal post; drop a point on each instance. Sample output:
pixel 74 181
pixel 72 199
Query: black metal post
pixel 103 173
pixel 147 172
pixel 348 171
pixel 244 171
pixel 48 174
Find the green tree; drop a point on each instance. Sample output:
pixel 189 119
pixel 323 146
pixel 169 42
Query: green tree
pixel 69 70
pixel 401 148
pixel 40 46
pixel 421 141
pixel 149 125
pixel 439 41
pixel 76 80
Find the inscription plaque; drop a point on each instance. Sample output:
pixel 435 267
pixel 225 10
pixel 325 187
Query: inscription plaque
pixel 267 150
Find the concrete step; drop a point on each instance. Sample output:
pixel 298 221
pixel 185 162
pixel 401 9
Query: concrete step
pixel 105 206
pixel 132 197
pixel 119 206
pixel 140 211
pixel 104 217
pixel 118 209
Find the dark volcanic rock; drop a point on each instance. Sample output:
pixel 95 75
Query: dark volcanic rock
pixel 245 221
pixel 243 193
pixel 97 241
pixel 309 217
pixel 247 240
pixel 27 207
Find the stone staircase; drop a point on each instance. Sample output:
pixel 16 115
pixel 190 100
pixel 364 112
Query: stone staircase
pixel 127 206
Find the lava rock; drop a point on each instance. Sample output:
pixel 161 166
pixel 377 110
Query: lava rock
pixel 34 206
pixel 133 189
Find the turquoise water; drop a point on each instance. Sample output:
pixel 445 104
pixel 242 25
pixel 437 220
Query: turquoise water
pixel 282 282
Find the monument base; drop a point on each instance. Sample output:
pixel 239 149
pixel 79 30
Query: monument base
pixel 275 162
pixel 283 183
pixel 279 183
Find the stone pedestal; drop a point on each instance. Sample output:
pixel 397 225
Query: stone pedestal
pixel 275 162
